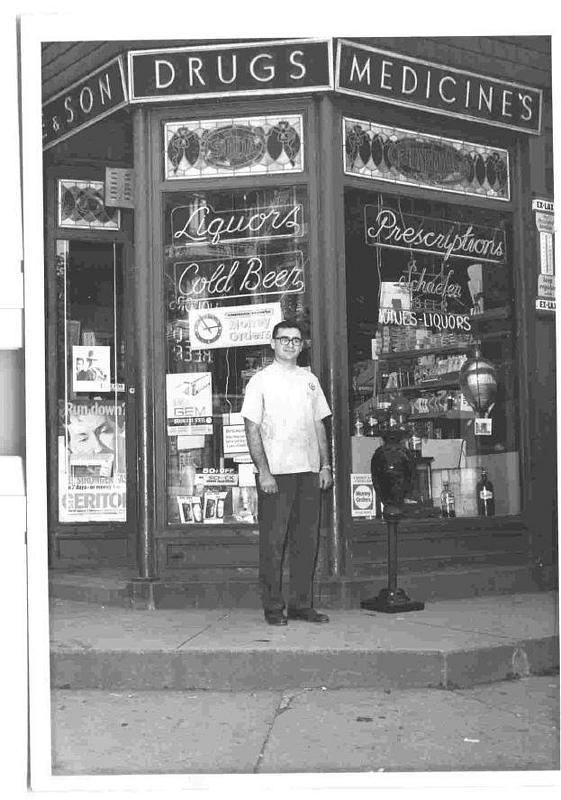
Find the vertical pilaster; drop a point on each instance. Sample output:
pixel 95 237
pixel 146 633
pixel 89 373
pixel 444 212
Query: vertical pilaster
pixel 334 322
pixel 144 385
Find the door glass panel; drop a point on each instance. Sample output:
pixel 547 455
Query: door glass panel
pixel 91 450
pixel 427 282
pixel 236 262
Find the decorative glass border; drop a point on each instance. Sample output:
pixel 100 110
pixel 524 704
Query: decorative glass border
pixel 81 204
pixel 232 147
pixel 399 156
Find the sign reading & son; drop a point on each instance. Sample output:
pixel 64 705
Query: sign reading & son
pixel 87 101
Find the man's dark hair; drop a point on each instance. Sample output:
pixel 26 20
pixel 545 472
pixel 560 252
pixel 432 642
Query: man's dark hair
pixel 287 323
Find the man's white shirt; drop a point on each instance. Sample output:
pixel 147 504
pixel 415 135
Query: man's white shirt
pixel 286 404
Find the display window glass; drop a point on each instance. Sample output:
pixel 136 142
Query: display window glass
pixel 432 349
pixel 235 264
pixel 91 446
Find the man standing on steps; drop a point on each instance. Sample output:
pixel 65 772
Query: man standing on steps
pixel 283 409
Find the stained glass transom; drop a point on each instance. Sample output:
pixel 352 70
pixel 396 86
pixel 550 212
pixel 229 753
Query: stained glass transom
pixel 241 146
pixel 81 204
pixel 417 159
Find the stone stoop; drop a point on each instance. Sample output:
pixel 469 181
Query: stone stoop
pixel 115 588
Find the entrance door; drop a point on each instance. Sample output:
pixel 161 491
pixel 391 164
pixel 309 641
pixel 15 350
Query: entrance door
pixel 92 499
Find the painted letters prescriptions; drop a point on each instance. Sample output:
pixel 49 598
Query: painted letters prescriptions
pixel 445 237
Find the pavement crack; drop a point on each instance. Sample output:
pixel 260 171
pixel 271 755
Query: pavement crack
pixel 464 630
pixel 203 630
pixel 283 705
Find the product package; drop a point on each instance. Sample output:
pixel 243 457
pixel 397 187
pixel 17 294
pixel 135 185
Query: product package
pixel 197 508
pixel 214 506
pixel 185 504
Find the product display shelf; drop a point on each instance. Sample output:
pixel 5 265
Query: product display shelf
pixel 455 414
pixel 501 312
pixel 404 355
pixel 450 380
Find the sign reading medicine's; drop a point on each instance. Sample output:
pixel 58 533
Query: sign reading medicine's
pixel 380 75
pixel 87 101
pixel 298 65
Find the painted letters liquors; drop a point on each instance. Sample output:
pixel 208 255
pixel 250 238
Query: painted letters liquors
pixel 87 101
pixel 217 71
pixel 201 224
pixel 377 74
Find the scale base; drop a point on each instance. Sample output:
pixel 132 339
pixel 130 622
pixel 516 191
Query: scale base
pixel 390 601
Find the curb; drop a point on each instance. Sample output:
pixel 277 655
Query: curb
pixel 259 669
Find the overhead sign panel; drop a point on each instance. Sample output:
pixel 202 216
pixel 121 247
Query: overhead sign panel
pixel 392 78
pixel 87 101
pixel 182 73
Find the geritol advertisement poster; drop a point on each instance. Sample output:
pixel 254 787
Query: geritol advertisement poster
pixel 92 462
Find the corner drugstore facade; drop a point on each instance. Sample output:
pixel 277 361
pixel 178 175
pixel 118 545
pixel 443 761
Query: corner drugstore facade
pixel 396 197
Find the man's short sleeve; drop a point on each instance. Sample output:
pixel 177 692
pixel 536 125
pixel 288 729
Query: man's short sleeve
pixel 321 407
pixel 252 406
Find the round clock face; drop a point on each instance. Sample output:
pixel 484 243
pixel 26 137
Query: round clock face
pixel 208 328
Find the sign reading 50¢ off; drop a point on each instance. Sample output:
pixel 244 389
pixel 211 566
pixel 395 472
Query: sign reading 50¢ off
pixel 363 496
pixel 233 326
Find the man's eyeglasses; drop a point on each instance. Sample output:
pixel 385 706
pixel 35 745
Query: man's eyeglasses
pixel 286 340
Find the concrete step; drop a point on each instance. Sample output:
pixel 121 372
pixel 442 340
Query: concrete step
pixel 448 644
pixel 199 589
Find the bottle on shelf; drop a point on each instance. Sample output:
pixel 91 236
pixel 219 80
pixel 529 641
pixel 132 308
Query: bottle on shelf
pixel 447 501
pixel 371 425
pixel 485 496
pixel 358 426
pixel 415 441
pixel 188 472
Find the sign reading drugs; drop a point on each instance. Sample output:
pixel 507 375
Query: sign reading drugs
pixel 298 65
pixel 233 326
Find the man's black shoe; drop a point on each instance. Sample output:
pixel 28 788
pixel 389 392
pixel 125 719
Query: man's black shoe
pixel 307 614
pixel 275 617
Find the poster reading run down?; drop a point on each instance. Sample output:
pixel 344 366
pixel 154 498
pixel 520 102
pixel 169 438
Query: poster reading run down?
pixel 92 462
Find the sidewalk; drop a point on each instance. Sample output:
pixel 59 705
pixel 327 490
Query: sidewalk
pixel 511 725
pixel 456 643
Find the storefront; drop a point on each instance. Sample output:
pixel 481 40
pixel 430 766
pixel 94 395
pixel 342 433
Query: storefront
pixel 400 207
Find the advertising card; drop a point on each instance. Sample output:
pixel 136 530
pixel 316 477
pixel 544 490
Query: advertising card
pixel 189 403
pixel 91 369
pixel 233 326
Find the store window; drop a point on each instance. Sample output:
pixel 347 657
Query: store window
pixel 235 264
pixel 427 282
pixel 91 453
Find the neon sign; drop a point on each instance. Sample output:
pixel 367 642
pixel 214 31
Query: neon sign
pixel 201 224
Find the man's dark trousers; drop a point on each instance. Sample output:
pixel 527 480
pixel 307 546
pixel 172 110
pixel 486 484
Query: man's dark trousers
pixel 289 517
